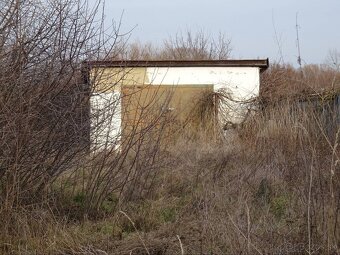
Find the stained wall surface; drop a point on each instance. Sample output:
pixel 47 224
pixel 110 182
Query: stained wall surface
pixel 240 83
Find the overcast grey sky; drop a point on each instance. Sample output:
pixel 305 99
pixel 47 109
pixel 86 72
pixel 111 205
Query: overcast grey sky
pixel 249 23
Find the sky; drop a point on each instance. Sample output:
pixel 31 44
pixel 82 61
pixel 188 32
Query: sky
pixel 257 28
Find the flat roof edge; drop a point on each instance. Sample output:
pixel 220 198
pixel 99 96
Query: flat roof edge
pixel 261 63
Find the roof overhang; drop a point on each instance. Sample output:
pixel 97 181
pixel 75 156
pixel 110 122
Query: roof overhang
pixel 260 63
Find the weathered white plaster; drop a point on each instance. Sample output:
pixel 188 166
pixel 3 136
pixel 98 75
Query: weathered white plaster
pixel 242 84
pixel 105 120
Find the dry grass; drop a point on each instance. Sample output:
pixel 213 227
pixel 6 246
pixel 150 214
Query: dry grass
pixel 271 187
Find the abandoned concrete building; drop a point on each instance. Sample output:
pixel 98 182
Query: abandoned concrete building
pixel 131 96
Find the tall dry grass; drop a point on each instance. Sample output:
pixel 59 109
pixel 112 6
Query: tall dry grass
pixel 282 81
pixel 271 187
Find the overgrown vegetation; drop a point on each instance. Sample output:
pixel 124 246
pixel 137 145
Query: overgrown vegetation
pixel 272 187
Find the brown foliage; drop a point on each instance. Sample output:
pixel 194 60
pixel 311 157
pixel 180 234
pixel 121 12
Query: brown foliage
pixel 282 81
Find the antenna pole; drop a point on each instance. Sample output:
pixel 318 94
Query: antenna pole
pixel 298 42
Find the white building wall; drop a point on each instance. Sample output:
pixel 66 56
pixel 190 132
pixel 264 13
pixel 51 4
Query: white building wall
pixel 105 120
pixel 242 84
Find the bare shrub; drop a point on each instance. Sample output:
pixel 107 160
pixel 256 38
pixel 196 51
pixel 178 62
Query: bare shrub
pixel 43 98
pixel 47 122
pixel 183 46
pixel 281 81
pixel 273 190
pixel 198 46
